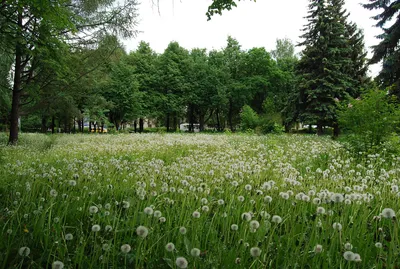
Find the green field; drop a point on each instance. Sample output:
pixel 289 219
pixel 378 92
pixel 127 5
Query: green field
pixel 196 201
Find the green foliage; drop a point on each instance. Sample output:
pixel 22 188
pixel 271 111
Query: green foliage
pixel 387 49
pixel 369 121
pixel 248 118
pixel 217 6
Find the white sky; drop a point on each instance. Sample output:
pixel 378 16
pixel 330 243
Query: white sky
pixel 252 24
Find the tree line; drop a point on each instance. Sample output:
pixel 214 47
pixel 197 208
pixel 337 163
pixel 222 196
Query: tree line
pixel 71 66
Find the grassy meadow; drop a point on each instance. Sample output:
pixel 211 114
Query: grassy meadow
pixel 196 201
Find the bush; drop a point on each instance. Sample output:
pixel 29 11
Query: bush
pixel 248 118
pixel 369 121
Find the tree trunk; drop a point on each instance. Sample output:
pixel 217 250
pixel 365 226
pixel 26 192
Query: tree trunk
pixel 336 130
pixel 13 139
pixel 167 122
pixel 90 127
pixel 191 126
pixel 53 124
pixel 135 126
pixel 201 122
pixel 174 122
pixel 44 124
pixel 141 125
pixel 218 121
pixel 320 129
pixel 230 116
pixel 102 127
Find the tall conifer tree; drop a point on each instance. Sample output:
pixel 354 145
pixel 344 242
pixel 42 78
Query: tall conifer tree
pixel 387 50
pixel 324 68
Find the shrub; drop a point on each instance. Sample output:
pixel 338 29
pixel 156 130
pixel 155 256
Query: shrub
pixel 369 121
pixel 248 118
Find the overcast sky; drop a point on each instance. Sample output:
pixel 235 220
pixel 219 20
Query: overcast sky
pixel 252 24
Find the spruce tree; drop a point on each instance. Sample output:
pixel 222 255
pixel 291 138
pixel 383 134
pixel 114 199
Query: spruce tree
pixel 387 50
pixel 324 68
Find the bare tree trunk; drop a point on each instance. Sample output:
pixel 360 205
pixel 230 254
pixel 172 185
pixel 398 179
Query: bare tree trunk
pixel 218 121
pixel 230 116
pixel 135 126
pixel 13 139
pixel 90 127
pixel 319 129
pixel 336 130
pixel 167 122
pixel 53 124
pixel 44 124
pixel 102 127
pixel 141 125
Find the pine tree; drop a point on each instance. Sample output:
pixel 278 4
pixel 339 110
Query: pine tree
pixel 324 68
pixel 387 50
pixel 358 55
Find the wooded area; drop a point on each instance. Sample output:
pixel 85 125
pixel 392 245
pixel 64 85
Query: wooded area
pixel 62 65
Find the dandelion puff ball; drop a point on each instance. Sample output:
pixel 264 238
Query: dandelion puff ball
pixel 181 262
pixel 57 265
pixel 254 224
pixel 337 226
pixel 357 257
pixel 349 256
pixel 182 230
pixel 234 227
pixel 24 251
pixel 170 247
pixel 348 246
pixel 320 210
pixel 69 237
pixel 255 252
pixel 378 244
pixel 142 231
pixel 93 209
pixel 148 211
pixel 195 252
pixel 388 213
pixel 276 219
pixel 96 228
pixel 318 249
pixel 196 215
pixel 125 248
pixel 157 214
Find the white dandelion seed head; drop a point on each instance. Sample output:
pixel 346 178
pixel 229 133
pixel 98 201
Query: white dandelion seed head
pixel 142 231
pixel 181 262
pixel 182 230
pixel 320 210
pixel 96 228
pixel 69 237
pixel 53 193
pixel 162 219
pixel 157 214
pixel 337 226
pixel 196 214
pixel 24 251
pixel 57 265
pixel 195 252
pixel 378 244
pixel 349 256
pixel 148 211
pixel 125 248
pixel 234 227
pixel 276 219
pixel 388 213
pixel 254 224
pixel 348 246
pixel 93 209
pixel 255 251
pixel 246 216
pixel 108 228
pixel 170 247
pixel 318 249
